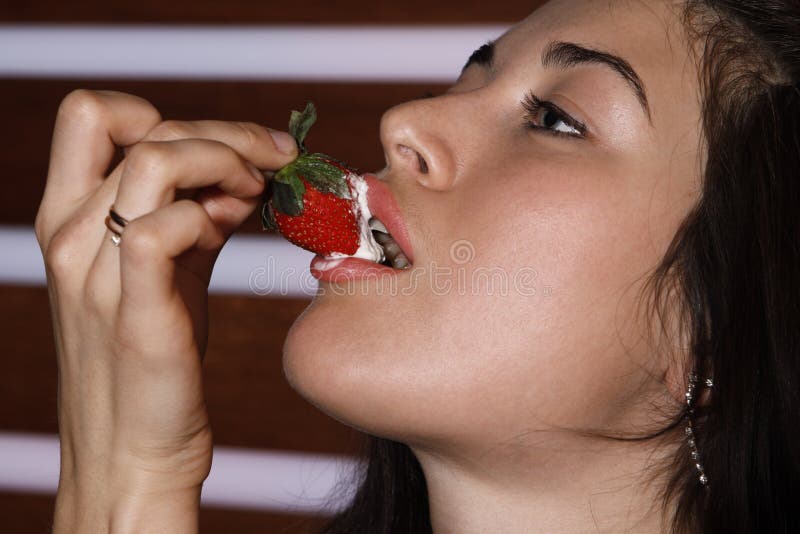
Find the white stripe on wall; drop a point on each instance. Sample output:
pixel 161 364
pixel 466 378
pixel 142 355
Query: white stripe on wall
pixel 240 478
pixel 248 265
pixel 299 53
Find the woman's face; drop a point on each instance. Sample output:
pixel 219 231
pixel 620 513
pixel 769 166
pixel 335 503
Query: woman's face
pixel 532 236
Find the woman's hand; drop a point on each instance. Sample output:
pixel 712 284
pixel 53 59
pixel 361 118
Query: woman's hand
pixel 130 322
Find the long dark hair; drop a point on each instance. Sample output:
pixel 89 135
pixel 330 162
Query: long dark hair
pixel 734 265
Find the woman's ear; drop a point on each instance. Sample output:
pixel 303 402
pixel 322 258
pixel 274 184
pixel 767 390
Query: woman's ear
pixel 671 339
pixel 681 362
pixel 676 378
pixel 673 334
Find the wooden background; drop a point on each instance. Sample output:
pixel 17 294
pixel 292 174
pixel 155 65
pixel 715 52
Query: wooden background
pixel 249 401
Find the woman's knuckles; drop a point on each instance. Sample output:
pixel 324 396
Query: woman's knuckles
pixel 82 106
pixel 143 241
pixel 88 108
pixel 250 137
pixel 42 227
pixel 171 130
pixel 150 161
pixel 65 255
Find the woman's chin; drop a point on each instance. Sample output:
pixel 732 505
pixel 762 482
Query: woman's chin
pixel 382 367
pixel 324 361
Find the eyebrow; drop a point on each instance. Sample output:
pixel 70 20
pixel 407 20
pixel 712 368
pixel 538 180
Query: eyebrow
pixel 565 55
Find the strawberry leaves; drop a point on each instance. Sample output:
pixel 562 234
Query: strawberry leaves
pixel 316 168
pixel 288 197
pixel 301 123
pixel 285 191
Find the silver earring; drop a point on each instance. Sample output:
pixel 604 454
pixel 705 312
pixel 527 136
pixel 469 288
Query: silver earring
pixel 690 431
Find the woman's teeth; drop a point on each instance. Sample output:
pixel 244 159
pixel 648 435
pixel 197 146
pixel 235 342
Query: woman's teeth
pixel 394 256
pixel 376 224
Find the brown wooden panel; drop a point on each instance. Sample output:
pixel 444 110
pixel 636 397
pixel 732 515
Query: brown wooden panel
pixel 33 514
pixel 250 403
pixel 349 117
pixel 261 12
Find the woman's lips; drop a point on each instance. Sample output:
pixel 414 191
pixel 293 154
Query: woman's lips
pixel 348 269
pixel 383 206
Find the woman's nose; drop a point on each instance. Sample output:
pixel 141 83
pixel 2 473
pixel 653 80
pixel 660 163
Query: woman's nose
pixel 415 142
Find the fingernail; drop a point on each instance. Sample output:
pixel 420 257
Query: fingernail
pixel 257 174
pixel 284 142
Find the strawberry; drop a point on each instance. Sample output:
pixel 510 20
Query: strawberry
pixel 311 201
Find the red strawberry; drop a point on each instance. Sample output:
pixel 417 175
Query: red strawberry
pixel 326 225
pixel 310 201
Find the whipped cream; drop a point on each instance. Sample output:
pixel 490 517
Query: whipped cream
pixel 368 248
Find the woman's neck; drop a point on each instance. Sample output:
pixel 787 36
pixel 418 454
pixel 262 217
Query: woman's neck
pixel 545 487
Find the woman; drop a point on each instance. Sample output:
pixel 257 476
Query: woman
pixel 639 157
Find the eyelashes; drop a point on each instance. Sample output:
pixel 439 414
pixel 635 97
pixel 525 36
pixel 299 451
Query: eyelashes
pixel 549 117
pixel 542 116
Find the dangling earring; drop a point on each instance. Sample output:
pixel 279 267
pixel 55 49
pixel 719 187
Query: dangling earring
pixel 690 431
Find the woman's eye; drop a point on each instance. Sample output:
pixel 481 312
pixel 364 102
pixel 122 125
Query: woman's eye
pixel 546 116
pixel 554 121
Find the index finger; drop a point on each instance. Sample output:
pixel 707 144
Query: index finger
pixel 88 126
pixel 264 147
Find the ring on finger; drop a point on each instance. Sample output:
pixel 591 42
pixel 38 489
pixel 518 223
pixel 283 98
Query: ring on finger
pixel 115 223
